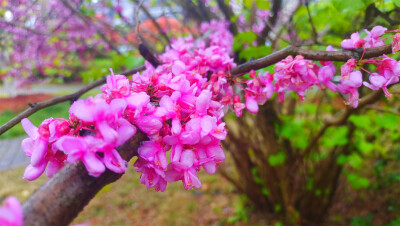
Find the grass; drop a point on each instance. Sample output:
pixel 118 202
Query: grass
pixel 127 202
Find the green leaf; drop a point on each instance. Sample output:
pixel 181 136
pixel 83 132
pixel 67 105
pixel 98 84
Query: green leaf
pixel 357 182
pixel 355 160
pixel 248 3
pixel 361 121
pixel 365 147
pixel 262 4
pixel 346 5
pixel 335 137
pixel 342 159
pixel 387 121
pixel 277 159
pixel 247 37
pixel 397 2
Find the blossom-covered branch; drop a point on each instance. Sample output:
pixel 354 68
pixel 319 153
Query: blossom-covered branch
pixel 70 97
pixel 279 55
pixel 62 197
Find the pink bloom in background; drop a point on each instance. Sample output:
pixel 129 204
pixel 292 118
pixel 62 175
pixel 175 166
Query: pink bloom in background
pixel 354 42
pixel 396 43
pixel 389 71
pixel 11 212
pixel 372 38
pixel 349 84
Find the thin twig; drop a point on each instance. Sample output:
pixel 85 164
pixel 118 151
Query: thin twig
pixel 315 34
pixel 144 9
pixel 70 97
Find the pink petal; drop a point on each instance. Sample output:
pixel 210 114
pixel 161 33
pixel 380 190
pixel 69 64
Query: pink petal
pixel 187 158
pixel 176 126
pixel 114 162
pixel 125 131
pixel 32 172
pixel 251 105
pixel 83 109
pixel 93 164
pixel 147 150
pixel 53 168
pixel 28 145
pixel 30 129
pixel 39 153
pixel 71 143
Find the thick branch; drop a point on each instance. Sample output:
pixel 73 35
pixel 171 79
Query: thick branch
pixel 61 198
pixel 71 97
pixel 309 54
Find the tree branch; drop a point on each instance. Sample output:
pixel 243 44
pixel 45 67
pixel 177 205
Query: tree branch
pixel 70 97
pixel 61 198
pixel 309 54
pixel 144 9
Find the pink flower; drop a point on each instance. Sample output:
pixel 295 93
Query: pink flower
pixel 184 171
pixel 349 84
pixel 325 75
pixel 372 39
pixel 39 146
pixel 378 81
pixel 11 212
pixel 396 43
pixel 354 42
pixel 296 75
pixel 84 149
pixel 117 86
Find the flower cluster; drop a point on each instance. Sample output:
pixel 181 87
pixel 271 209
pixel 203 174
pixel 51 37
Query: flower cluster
pixel 373 39
pixel 11 212
pixel 180 106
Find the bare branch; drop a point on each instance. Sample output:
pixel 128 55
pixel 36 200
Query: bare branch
pixel 314 31
pixel 71 97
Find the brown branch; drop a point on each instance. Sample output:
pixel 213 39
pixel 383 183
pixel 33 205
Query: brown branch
pixel 308 54
pixel 61 198
pixel 314 31
pixel 276 7
pixel 148 55
pixel 70 97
